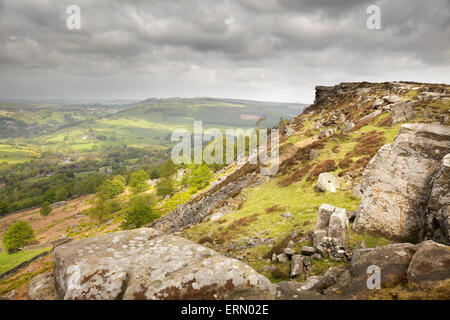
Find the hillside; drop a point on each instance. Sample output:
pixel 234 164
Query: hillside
pixel 269 223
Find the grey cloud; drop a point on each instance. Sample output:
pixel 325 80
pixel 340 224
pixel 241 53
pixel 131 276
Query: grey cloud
pixel 260 49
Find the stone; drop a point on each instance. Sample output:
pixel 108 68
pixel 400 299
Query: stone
pixel 397 183
pixel 12 294
pixel 291 244
pixel 296 266
pixel 348 126
pixel 402 111
pixel 318 236
pixel 42 287
pixel 377 103
pixel 145 264
pixel 393 261
pixel 313 154
pixel 371 115
pixel 392 99
pixel 328 182
pixel 274 257
pixel 339 226
pixel 357 192
pixel 306 261
pixel 287 215
pixel 351 215
pixel 430 263
pixel 308 251
pixel 323 216
pixel 438 211
pixel 317 256
pixel 310 283
pixel 289 252
pixel 282 258
pixel 325 133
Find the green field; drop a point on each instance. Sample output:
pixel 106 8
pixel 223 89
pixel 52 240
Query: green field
pixel 9 261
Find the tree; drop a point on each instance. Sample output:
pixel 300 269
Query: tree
pixel 111 188
pixel 164 187
pixel 155 174
pixel 169 168
pixel 18 235
pixel 49 196
pixel 139 212
pixel 138 181
pixel 45 209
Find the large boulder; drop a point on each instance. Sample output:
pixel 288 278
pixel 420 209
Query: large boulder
pixel 438 216
pixel 393 261
pixel 42 287
pixel 430 263
pixel 328 182
pixel 143 264
pixel 323 216
pixel 397 182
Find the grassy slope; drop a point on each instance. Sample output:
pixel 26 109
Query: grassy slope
pixel 9 261
pixel 301 199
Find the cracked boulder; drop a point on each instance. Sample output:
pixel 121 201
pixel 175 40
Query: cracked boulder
pixel 397 183
pixel 144 264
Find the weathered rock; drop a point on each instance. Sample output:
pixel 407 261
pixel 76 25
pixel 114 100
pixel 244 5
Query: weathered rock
pixel 351 215
pixel 392 99
pixel 338 226
pixel 377 103
pixel 313 154
pixel 12 294
pixel 287 215
pixel 348 126
pixel 371 115
pixel 282 258
pixel 291 244
pixel 393 261
pixel 306 261
pixel 318 236
pixel 42 287
pixel 357 192
pixel 328 182
pixel 308 251
pixel 310 283
pixel 430 263
pixel 402 111
pixel 323 216
pixel 289 252
pixel 143 264
pixel 326 133
pixel 397 182
pixel 438 215
pixel 296 266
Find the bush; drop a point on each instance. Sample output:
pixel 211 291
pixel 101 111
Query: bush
pixel 139 212
pixel 18 235
pixel 103 209
pixel 138 181
pixel 164 187
pixel 45 209
pixel 199 176
pixel 111 188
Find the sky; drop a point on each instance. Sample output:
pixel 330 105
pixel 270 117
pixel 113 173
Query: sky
pixel 271 50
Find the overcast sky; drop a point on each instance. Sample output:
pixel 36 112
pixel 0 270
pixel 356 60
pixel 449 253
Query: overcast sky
pixel 274 50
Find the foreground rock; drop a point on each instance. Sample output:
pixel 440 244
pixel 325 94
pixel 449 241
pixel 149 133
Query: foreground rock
pixel 143 264
pixel 43 287
pixel 397 183
pixel 430 263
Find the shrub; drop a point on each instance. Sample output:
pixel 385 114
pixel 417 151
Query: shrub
pixel 139 212
pixel 138 181
pixel 49 196
pixel 164 187
pixel 18 235
pixel 199 176
pixel 345 163
pixel 45 209
pixel 111 188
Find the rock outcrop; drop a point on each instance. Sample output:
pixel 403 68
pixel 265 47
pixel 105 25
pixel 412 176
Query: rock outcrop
pixel 144 264
pixel 397 182
pixel 328 182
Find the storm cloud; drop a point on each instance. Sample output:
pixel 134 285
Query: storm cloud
pixel 256 49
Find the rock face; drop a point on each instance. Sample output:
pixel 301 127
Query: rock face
pixel 397 182
pixel 348 126
pixel 430 263
pixel 143 264
pixel 328 182
pixel 438 215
